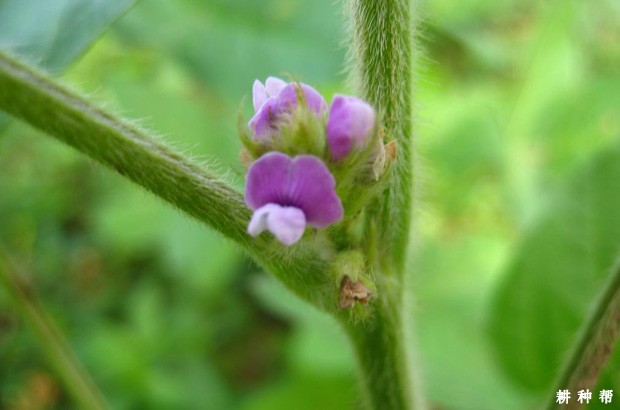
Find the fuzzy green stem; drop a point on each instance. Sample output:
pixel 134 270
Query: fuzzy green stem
pixel 384 353
pixel 595 345
pixel 40 101
pixel 56 110
pixel 58 351
pixel 381 53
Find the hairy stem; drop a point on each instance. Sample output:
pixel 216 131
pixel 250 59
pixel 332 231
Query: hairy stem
pixel 40 101
pixel 384 353
pixel 595 345
pixel 381 54
pixel 58 351
pixel 36 99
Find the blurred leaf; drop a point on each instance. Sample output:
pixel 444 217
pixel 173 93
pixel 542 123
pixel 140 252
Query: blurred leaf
pixel 318 344
pixel 579 120
pixel 452 279
pixel 556 274
pixel 306 392
pixel 228 44
pixel 468 11
pixel 54 33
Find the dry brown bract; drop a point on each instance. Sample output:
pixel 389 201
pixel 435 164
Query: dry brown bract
pixel 351 291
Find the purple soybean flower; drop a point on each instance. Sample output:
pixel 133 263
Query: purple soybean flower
pixel 286 194
pixel 277 99
pixel 350 123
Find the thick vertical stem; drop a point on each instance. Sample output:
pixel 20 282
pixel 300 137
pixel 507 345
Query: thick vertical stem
pixel 384 353
pixel 381 53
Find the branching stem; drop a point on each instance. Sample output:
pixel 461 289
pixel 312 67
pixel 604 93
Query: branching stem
pixel 40 101
pixel 381 53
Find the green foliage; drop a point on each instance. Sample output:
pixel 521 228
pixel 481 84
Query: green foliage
pixel 258 39
pixel 519 102
pixel 557 274
pixel 53 34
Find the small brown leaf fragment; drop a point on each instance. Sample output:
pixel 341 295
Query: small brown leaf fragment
pixel 378 166
pixel 385 156
pixel 391 148
pixel 245 158
pixel 351 291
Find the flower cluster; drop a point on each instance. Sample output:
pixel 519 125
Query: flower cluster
pixel 306 158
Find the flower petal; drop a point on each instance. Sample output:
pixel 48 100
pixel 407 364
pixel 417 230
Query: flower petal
pixel 302 182
pixel 287 99
pixel 349 125
pixel 258 223
pixel 267 180
pixel 287 223
pixel 261 124
pixel 311 188
pixel 259 95
pixel 274 101
pixel 274 85
pixel 315 101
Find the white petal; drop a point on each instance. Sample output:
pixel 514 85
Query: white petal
pixel 274 85
pixel 258 223
pixel 287 223
pixel 259 95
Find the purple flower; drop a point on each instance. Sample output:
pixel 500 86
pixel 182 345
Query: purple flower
pixel 349 125
pixel 275 101
pixel 287 194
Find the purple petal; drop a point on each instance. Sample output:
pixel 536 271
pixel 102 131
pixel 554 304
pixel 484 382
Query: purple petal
pixel 277 99
pixel 267 180
pixel 259 95
pixel 315 101
pixel 274 85
pixel 311 188
pixel 303 182
pixel 262 123
pixel 287 99
pixel 349 125
pixel 287 223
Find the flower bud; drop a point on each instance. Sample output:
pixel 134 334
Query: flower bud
pixel 275 102
pixel 349 126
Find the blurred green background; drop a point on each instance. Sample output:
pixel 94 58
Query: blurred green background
pixel 518 128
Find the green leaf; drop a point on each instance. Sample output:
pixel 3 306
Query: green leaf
pixel 557 273
pixel 55 33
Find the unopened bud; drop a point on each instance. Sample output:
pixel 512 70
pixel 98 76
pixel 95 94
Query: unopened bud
pixel 349 126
